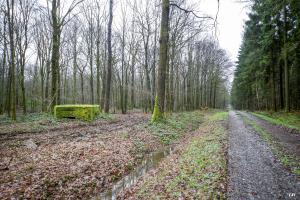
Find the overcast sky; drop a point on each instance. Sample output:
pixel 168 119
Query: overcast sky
pixel 231 18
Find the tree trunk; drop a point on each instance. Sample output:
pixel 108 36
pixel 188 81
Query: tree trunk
pixel 10 17
pixel 109 61
pixel 74 65
pixel 163 54
pixel 55 55
pixel 2 107
pixel 286 68
pixel 82 88
pixel 91 65
pixel 47 81
pixel 98 70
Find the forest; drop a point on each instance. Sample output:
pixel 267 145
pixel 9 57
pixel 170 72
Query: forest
pixel 81 54
pixel 267 76
pixel 149 99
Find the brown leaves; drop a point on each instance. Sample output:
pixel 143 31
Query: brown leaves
pixel 76 162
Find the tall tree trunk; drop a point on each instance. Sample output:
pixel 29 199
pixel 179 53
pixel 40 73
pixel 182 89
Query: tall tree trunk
pixel 163 54
pixel 47 81
pixel 132 97
pixel 98 70
pixel 286 68
pixel 123 73
pixel 170 95
pixel 22 82
pixel 55 54
pixel 109 61
pixel 82 87
pixel 2 105
pixel 91 65
pixel 74 92
pixel 281 96
pixel 273 91
pixel 10 17
pixel 42 74
pixel 154 72
pixel 189 79
pixel 215 93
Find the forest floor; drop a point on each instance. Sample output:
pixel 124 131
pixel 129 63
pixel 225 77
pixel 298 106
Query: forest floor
pixel 214 155
pixel 48 158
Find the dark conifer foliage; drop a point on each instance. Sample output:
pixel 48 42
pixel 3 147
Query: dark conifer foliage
pixel 267 76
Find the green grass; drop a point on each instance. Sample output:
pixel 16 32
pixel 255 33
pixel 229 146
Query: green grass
pixel 173 126
pixel 218 116
pixel 290 120
pixel 201 170
pixel 202 166
pixel 286 159
pixel 30 117
pixel 36 122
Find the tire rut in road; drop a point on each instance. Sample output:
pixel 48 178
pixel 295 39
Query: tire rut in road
pixel 254 172
pixel 290 141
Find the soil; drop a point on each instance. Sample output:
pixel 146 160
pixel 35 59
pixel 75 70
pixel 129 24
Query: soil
pixel 254 172
pixel 73 162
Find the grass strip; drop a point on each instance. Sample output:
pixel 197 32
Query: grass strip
pixel 289 120
pixel 200 171
pixel 287 160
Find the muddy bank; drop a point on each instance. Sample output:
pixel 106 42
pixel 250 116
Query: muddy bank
pixel 148 163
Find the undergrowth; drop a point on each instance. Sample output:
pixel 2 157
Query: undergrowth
pixel 173 126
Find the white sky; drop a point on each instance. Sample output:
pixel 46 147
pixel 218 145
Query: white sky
pixel 231 18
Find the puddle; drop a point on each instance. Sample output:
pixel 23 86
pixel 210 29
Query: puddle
pixel 151 161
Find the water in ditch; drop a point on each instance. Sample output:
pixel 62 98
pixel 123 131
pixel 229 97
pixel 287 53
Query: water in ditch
pixel 150 161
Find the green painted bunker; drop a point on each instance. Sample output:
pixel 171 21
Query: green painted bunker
pixel 84 112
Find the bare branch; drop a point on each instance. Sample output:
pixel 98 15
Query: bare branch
pixel 191 11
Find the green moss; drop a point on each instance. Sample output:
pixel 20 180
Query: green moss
pixel 219 116
pixel 84 112
pixel 157 115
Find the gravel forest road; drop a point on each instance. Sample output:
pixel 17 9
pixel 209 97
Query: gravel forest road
pixel 254 172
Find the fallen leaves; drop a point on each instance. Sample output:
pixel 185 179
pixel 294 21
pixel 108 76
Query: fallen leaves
pixel 74 161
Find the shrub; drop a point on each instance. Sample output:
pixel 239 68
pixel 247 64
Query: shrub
pixel 84 112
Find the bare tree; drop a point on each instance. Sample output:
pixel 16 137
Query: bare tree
pixel 109 61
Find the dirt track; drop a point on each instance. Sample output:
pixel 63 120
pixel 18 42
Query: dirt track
pixel 254 172
pixel 287 138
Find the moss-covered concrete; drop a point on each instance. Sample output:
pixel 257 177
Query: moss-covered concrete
pixel 84 112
